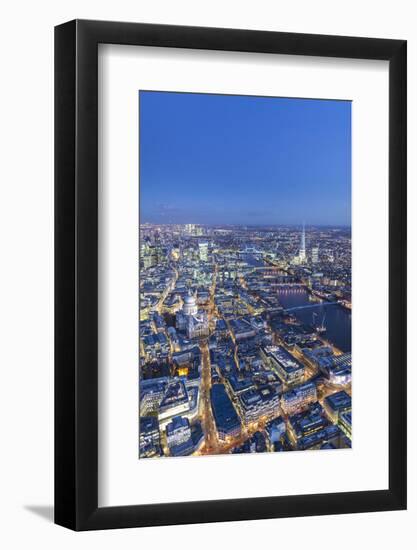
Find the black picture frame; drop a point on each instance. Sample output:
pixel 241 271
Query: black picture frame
pixel 76 272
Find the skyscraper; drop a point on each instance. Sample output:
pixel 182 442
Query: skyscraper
pixel 302 253
pixel 315 255
pixel 203 251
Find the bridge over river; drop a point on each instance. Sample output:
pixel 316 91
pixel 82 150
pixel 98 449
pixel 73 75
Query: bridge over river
pixel 310 306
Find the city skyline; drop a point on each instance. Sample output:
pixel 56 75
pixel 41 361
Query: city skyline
pixel 245 340
pixel 288 160
pixel 293 225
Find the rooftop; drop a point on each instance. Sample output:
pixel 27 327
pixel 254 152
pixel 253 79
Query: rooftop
pixel 285 359
pixel 175 393
pixel 338 401
pixel 223 410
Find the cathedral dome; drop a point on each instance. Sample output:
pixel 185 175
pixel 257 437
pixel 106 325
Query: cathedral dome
pixel 189 300
pixel 190 305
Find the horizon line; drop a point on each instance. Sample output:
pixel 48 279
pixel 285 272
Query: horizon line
pixel 251 224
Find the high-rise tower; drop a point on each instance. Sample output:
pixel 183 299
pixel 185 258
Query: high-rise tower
pixel 302 253
pixel 203 251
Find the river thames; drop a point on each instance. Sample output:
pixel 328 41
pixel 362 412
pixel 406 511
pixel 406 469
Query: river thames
pixel 335 318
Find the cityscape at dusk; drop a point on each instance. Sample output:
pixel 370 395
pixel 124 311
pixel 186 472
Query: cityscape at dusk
pixel 244 275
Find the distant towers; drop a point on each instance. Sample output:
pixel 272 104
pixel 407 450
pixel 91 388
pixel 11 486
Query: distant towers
pixel 315 255
pixel 302 253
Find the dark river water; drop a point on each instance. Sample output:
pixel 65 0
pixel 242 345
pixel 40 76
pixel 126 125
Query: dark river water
pixel 337 319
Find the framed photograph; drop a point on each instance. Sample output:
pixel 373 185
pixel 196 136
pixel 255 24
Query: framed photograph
pixel 230 244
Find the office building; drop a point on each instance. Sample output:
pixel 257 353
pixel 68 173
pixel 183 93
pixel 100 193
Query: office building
pixel 257 403
pixel 151 393
pixel 287 367
pixel 225 416
pixel 330 434
pixel 345 423
pixel 203 251
pixel 275 429
pixel 336 404
pixel 174 402
pixel 337 368
pixel 298 398
pixel 178 434
pixel 302 252
pixel 149 441
pixel 306 423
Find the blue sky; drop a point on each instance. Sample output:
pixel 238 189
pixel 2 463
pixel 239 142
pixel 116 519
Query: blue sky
pixel 221 159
